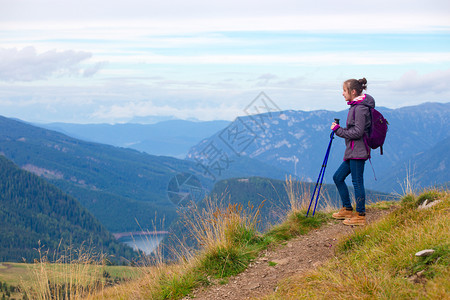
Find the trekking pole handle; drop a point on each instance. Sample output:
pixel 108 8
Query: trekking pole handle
pixel 336 121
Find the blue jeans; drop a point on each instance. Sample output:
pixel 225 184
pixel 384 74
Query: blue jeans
pixel 356 168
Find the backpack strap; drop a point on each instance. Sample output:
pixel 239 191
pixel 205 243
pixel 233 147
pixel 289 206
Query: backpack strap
pixel 370 115
pixel 365 135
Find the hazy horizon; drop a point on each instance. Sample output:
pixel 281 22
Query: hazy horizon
pixel 150 120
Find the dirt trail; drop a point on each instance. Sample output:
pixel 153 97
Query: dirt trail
pixel 297 256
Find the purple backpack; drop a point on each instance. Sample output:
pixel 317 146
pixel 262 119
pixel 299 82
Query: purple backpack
pixel 378 130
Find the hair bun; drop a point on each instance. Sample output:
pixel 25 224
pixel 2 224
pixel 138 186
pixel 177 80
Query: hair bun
pixel 363 82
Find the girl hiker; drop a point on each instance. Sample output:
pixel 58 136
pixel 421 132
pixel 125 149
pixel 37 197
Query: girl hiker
pixel 356 150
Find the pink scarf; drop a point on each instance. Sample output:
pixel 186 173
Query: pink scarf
pixel 357 100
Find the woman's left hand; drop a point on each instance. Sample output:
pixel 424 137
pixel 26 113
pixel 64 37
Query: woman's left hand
pixel 332 125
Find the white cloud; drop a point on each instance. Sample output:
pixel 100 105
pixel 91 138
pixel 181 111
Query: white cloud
pixel 264 79
pixel 90 71
pixel 27 65
pixel 413 82
pixel 292 82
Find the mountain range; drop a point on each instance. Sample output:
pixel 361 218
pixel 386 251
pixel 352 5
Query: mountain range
pixel 296 141
pixel 423 169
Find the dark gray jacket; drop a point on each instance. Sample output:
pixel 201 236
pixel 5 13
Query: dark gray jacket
pixel 358 123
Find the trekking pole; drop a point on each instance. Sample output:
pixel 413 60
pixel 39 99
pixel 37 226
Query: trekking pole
pixel 321 174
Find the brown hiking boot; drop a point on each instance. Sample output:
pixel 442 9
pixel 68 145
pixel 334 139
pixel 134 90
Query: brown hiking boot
pixel 343 213
pixel 356 219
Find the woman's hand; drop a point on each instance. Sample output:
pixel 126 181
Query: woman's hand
pixel 333 125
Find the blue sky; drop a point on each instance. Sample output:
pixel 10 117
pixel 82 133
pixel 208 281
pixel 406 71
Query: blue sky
pixel 115 61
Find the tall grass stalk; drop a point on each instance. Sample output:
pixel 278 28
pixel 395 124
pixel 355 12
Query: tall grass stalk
pixel 407 185
pixel 219 224
pixel 299 194
pixel 76 274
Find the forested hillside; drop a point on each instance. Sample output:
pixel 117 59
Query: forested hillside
pixel 117 185
pixel 35 213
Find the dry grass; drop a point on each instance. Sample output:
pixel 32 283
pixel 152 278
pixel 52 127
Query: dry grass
pixel 299 195
pixel 408 187
pixel 156 282
pixel 218 224
pixel 75 275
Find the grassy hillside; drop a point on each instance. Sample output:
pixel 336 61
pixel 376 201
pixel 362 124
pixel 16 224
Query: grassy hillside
pixel 35 214
pixel 379 261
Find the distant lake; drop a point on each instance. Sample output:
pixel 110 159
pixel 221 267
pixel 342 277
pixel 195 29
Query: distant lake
pixel 146 243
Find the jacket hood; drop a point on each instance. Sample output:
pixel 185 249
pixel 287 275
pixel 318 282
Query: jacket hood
pixel 368 101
